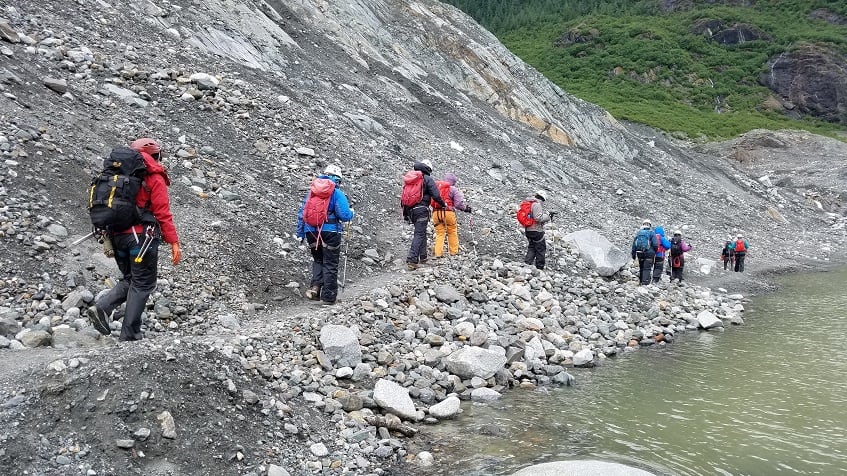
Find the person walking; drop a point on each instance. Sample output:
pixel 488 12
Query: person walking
pixel 728 255
pixel 644 247
pixel 326 200
pixel 677 255
pixel 137 248
pixel 418 214
pixel 740 249
pixel 444 218
pixel 663 245
pixel 536 249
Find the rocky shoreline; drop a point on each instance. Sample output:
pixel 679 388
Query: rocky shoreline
pixel 344 388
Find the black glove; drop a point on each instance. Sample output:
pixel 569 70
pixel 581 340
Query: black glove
pixel 468 210
pixel 552 215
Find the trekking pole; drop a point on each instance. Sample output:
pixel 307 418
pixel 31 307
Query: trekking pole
pixel 346 254
pixel 83 239
pixel 473 236
pixel 148 239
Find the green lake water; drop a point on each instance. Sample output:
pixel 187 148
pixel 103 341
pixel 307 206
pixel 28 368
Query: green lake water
pixel 765 398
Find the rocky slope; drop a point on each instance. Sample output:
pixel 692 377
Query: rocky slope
pixel 251 99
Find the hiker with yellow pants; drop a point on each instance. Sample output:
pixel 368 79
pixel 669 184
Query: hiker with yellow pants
pixel 444 218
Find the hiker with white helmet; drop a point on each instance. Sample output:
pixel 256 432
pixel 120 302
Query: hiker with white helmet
pixel 676 261
pixel 532 217
pixel 740 248
pixel 419 190
pixel 320 221
pixel 644 248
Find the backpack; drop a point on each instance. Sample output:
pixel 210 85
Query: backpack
pixel 676 247
pixel 643 240
pixel 316 208
pixel 739 247
pixel 659 247
pixel 525 217
pixel 444 191
pixel 112 193
pixel 413 184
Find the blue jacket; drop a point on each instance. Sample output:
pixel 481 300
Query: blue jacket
pixel 664 242
pixel 654 244
pixel 339 212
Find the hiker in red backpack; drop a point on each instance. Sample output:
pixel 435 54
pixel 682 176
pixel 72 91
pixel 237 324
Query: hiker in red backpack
pixel 320 221
pixel 677 255
pixel 444 219
pixel 416 211
pixel 536 248
pixel 137 248
pixel 663 246
pixel 740 249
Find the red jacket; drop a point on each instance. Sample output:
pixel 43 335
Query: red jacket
pixel 153 196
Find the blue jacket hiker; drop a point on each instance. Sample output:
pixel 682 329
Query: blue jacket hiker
pixel 330 205
pixel 663 246
pixel 644 247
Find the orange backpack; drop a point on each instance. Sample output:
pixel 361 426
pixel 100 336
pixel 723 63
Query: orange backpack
pixel 413 183
pixel 525 217
pixel 316 209
pixel 444 190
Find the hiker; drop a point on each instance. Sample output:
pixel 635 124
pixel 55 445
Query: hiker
pixel 677 255
pixel 536 248
pixel 416 211
pixel 329 204
pixel 140 240
pixel 740 249
pixel 728 254
pixel 663 245
pixel 444 219
pixel 644 247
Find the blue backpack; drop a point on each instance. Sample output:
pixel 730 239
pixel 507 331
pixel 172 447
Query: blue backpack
pixel 643 240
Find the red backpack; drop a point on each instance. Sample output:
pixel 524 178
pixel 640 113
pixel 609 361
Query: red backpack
pixel 525 213
pixel 444 190
pixel 413 183
pixel 315 211
pixel 739 247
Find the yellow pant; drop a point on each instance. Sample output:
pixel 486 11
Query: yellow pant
pixel 445 223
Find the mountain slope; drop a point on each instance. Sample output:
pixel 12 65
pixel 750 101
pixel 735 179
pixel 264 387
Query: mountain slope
pixel 699 69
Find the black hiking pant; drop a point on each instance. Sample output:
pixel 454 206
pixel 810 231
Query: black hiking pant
pixel 419 216
pixel 658 267
pixel 739 260
pixel 138 282
pixel 326 251
pixel 645 266
pixel 536 249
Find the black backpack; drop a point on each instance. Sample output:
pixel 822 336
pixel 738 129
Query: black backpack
pixel 676 247
pixel 112 193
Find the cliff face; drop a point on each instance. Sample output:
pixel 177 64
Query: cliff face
pixel 252 98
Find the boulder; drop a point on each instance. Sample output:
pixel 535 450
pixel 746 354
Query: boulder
pixel 594 248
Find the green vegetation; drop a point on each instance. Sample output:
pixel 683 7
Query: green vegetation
pixel 650 66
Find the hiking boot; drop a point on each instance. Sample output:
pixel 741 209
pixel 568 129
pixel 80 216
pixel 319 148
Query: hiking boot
pixel 411 266
pixel 327 303
pixel 99 320
pixel 313 293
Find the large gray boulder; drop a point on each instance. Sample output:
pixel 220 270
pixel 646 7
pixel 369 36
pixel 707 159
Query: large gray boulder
pixel 469 362
pixel 593 247
pixel 341 345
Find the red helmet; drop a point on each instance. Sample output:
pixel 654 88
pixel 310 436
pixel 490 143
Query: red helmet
pixel 146 144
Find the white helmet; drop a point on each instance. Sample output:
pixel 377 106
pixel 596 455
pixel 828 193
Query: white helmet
pixel 427 162
pixel 541 194
pixel 333 169
pixel 646 222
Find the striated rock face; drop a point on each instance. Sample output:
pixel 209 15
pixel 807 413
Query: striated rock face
pixel 828 16
pixel 814 79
